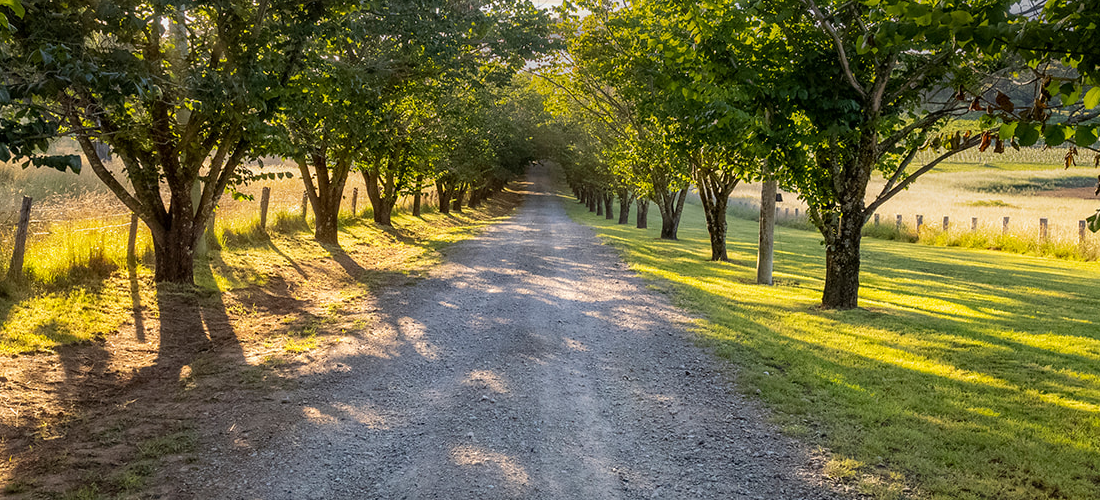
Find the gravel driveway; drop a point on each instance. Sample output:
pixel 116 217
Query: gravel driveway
pixel 532 364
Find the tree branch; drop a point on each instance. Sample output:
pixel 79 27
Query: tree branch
pixel 885 196
pixel 843 55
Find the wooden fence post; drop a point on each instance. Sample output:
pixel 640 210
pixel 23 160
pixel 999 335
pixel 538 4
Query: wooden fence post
pixel 1081 231
pixel 305 204
pixel 876 219
pixel 945 223
pixel 898 224
pixel 1004 226
pixel 920 222
pixel 265 199
pixel 15 272
pixel 1043 234
pixel 354 201
pixel 973 223
pixel 131 243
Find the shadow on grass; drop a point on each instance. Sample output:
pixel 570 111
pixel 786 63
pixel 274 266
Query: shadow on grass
pixel 970 375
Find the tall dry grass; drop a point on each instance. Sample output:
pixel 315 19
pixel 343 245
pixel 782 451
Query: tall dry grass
pixel 1023 192
pixel 79 229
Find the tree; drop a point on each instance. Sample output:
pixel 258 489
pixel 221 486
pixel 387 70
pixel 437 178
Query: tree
pixel 613 86
pixel 179 90
pixel 469 49
pixel 887 76
pixel 329 112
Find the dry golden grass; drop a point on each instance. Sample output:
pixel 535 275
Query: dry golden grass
pixel 989 192
pixel 77 223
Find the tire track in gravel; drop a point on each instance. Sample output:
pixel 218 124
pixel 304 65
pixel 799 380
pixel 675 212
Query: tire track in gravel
pixel 533 364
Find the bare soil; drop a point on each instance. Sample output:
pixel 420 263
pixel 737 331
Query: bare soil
pixel 531 364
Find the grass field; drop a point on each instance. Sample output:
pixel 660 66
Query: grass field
pixel 1024 186
pixel 966 374
pixel 76 258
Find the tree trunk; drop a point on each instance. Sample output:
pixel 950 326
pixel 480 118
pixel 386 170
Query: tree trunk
pixel 444 197
pixel 599 204
pixel 475 197
pixel 326 195
pixel 671 206
pixel 460 195
pixel 842 265
pixel 643 213
pixel 174 248
pixel 416 195
pixel 377 202
pixel 608 202
pixel 765 250
pixel 327 225
pixel 714 194
pixel 625 199
pixel 590 199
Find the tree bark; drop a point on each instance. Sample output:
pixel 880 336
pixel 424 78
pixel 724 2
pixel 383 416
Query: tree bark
pixel 174 247
pixel 842 259
pixel 382 198
pixel 643 213
pixel 842 225
pixel 766 248
pixel 416 195
pixel 671 206
pixel 327 229
pixel 714 192
pixel 625 199
pixel 326 196
pixel 459 197
pixel 598 199
pixel 475 198
pixel 608 202
pixel 444 192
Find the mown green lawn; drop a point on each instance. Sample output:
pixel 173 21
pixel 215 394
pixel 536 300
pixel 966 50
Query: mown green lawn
pixel 966 374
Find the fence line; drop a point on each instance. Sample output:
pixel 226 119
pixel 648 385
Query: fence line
pixel 22 228
pixel 1044 232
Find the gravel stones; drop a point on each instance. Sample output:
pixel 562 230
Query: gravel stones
pixel 532 364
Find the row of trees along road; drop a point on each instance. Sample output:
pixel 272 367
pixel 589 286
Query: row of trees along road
pixel 816 96
pixel 191 94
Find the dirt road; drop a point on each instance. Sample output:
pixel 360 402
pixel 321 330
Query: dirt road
pixel 533 364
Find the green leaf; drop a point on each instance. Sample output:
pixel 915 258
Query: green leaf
pixel 1085 136
pixel 1070 93
pixel 896 9
pixel 861 45
pixel 1027 133
pixel 1094 221
pixel 1055 135
pixel 1008 130
pixel 1092 98
pixel 960 17
pixel 15 6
